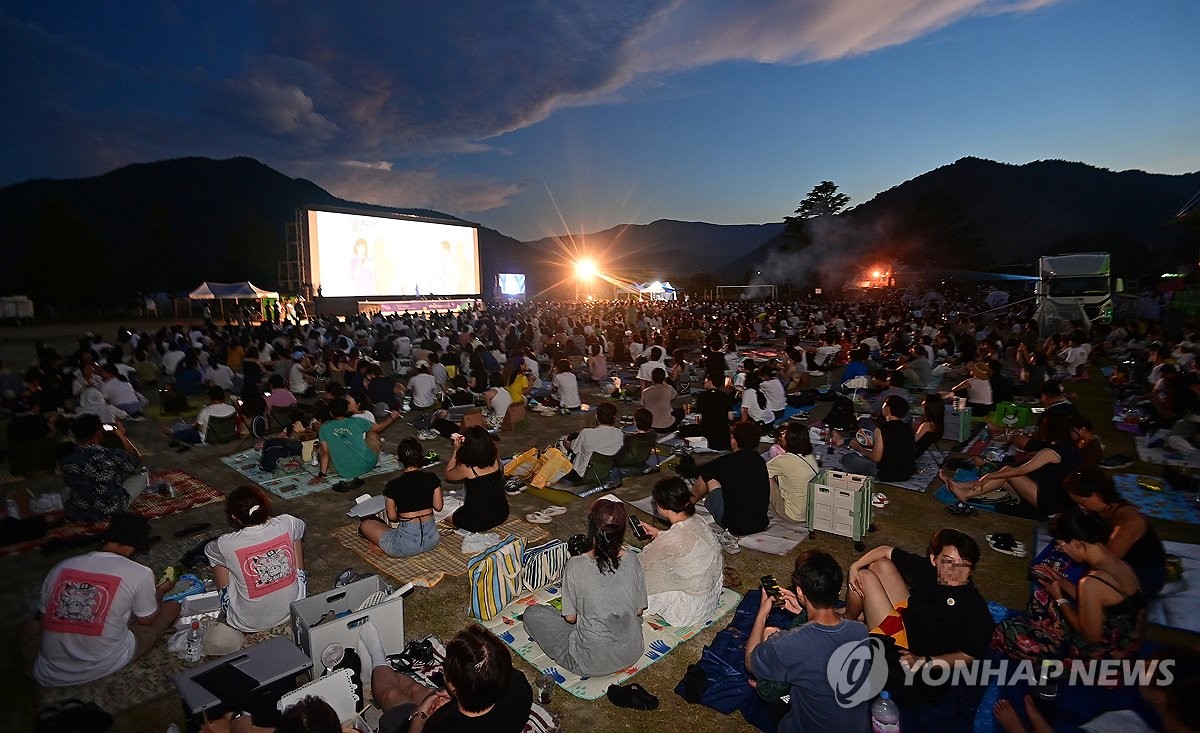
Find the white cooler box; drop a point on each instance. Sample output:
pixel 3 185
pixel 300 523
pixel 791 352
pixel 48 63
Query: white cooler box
pixel 313 636
pixel 840 503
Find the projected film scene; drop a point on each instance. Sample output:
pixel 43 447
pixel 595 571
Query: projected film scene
pixel 359 255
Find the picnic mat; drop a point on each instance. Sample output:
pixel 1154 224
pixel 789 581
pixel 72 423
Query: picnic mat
pixel 293 485
pixel 1156 498
pixel 1163 454
pixel 659 637
pixel 1175 605
pixel 189 492
pixel 429 568
pixel 1022 510
pixel 149 677
pixel 552 495
pixel 779 538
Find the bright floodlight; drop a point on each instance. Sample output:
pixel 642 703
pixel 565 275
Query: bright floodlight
pixel 585 269
pixel 877 274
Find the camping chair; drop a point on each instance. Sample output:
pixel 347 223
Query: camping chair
pixel 221 430
pixel 826 366
pixel 635 454
pixel 277 419
pixel 257 431
pixel 599 471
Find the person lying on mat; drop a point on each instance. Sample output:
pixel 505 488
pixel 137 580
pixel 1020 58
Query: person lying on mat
pixel 1131 539
pixel 928 605
pixel 599 630
pixel 799 656
pixel 683 564
pixel 344 445
pixel 1100 617
pixel 1037 481
pixel 98 611
pixel 476 462
pixel 410 500
pixel 259 567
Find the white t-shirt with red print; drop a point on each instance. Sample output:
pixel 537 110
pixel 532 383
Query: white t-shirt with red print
pixel 262 567
pixel 87 603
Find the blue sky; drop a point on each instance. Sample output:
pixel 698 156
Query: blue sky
pixel 514 114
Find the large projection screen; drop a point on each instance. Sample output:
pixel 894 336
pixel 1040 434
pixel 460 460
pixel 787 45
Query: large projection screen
pixel 363 255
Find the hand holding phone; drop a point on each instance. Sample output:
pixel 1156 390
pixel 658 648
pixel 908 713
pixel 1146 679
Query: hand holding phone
pixel 638 530
pixel 771 586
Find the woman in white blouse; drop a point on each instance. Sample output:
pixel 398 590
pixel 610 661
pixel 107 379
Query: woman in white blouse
pixel 683 564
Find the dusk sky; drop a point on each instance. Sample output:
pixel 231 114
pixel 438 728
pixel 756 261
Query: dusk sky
pixel 625 111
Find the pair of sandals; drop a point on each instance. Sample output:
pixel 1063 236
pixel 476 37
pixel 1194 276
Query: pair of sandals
pixel 1006 543
pixel 545 515
pixel 343 487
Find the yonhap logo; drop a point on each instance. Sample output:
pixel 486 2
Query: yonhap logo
pixel 857 671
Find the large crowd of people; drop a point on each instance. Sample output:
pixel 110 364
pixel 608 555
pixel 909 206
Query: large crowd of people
pixel 719 372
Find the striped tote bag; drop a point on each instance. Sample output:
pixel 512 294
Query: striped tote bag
pixel 544 565
pixel 495 577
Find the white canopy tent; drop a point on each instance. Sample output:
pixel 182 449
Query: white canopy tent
pixel 231 291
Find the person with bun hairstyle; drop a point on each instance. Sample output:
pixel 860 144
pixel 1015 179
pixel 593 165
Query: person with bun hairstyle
pixel 683 564
pixel 476 463
pixel 599 630
pixel 259 567
pixel 410 500
pixel 1131 538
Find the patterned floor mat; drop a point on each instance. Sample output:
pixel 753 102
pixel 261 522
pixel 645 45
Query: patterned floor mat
pixel 430 567
pixel 189 492
pixel 1154 497
pixel 291 486
pixel 660 638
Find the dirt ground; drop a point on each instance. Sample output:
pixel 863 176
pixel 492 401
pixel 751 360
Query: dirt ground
pixel 907 522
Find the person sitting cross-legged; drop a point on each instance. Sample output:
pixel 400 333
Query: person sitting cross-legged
pixel 102 480
pixel 410 500
pixel 345 447
pixel 736 487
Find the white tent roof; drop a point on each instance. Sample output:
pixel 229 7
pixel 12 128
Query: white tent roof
pixel 230 291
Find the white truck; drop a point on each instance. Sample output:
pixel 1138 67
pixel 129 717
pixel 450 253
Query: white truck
pixel 16 309
pixel 1075 287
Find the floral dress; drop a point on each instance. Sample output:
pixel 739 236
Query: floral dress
pixel 1043 633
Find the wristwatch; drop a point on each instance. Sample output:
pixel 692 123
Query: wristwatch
pixel 419 714
pixel 1061 601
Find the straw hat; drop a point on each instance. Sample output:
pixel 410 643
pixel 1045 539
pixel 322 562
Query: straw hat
pixel 981 370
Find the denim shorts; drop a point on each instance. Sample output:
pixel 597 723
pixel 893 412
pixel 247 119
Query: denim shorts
pixel 411 537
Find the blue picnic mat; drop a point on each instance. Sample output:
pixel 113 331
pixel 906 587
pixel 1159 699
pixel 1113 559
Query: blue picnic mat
pixel 1154 497
pixel 293 485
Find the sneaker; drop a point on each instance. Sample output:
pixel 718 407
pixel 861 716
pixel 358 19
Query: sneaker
pixel 1113 463
pixel 514 486
pixel 728 542
pixel 428 434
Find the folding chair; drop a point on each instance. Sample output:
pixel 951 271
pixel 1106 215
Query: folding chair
pixel 599 471
pixel 221 430
pixel 257 431
pixel 634 456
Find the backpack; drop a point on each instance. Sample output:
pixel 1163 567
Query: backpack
pixel 841 415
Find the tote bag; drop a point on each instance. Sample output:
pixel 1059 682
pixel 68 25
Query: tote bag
pixel 495 577
pixel 544 565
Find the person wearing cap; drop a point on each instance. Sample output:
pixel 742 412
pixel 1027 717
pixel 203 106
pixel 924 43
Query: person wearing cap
pixel 99 611
pixel 978 389
pixel 102 480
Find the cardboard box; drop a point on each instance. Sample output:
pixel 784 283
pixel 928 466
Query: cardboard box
pixel 313 636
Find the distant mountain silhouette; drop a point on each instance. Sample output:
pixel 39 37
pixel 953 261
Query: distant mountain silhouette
pixel 171 224
pixel 979 214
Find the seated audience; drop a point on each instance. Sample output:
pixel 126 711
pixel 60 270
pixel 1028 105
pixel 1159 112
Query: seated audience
pixel 476 462
pixel 102 481
pixel 977 388
pixel 119 393
pixel 928 605
pixel 410 500
pixel 736 487
pixel 790 473
pixel 683 564
pixel 1131 538
pixel 657 399
pixel 799 656
pixel 599 629
pixel 344 446
pixel 711 412
pixel 1100 617
pixel 605 439
pixel 197 432
pixel 99 611
pixel 891 453
pixel 932 426
pixel 259 567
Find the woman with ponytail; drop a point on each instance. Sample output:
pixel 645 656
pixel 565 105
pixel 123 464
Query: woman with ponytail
pixel 599 630
pixel 754 403
pixel 259 567
pixel 683 564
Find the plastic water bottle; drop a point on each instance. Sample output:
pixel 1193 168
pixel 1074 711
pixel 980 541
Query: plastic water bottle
pixel 194 649
pixel 885 716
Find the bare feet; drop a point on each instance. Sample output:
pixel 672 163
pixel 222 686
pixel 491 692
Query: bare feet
pixel 1037 722
pixel 1006 716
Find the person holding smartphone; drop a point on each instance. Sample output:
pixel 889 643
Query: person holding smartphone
pixel 102 480
pixel 683 564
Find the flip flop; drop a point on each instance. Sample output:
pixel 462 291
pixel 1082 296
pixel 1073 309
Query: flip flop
pixel 554 511
pixel 537 518
pixel 1006 544
pixel 193 529
pixel 879 501
pixel 344 577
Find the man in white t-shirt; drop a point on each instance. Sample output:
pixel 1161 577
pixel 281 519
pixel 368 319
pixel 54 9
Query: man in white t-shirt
pixel 605 439
pixel 654 361
pixel 197 432
pixel 422 387
pixel 565 385
pixel 84 630
pixel 220 375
